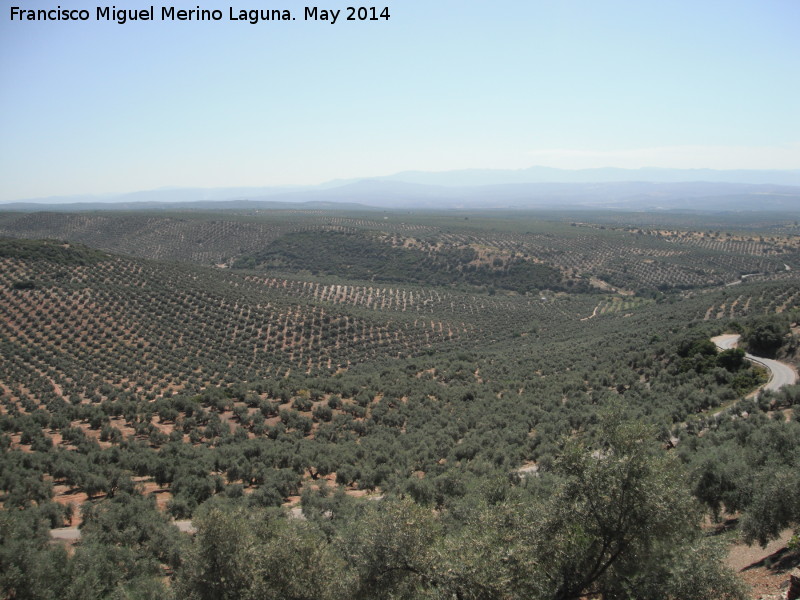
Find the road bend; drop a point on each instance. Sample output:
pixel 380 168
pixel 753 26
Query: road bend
pixel 781 374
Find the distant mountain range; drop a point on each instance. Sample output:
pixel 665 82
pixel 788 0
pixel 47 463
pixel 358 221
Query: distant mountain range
pixel 472 189
pixel 471 177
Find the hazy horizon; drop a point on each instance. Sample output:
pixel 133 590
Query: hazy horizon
pixel 458 179
pixel 97 107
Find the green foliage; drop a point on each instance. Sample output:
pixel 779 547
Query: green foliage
pixel 117 557
pixel 134 522
pixel 57 252
pixel 31 568
pixel 25 284
pixel 414 382
pixel 631 251
pixel 617 524
pixel 219 565
pixel 368 256
pixel 243 554
pixel 751 466
pixel 696 346
pixel 614 519
pixel 775 505
pixel 766 335
pixel 390 548
pixel 731 359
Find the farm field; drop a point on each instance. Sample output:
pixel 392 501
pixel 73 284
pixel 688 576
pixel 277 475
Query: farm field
pixel 226 367
pixel 516 252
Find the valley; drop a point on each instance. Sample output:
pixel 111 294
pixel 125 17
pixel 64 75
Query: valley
pixel 225 366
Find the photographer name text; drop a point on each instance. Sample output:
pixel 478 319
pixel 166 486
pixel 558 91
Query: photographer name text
pixel 112 14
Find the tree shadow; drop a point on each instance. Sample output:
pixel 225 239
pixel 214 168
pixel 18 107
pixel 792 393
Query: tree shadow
pixel 780 561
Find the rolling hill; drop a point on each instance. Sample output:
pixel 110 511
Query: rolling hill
pixel 207 365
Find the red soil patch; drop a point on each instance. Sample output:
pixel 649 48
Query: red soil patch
pixel 149 487
pixel 66 495
pixel 765 570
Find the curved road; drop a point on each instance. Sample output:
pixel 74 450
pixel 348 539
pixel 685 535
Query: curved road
pixel 781 374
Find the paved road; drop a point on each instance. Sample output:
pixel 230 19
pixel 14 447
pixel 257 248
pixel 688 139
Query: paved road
pixel 66 533
pixel 780 374
pixel 73 533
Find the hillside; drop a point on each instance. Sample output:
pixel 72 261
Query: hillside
pixel 515 251
pixel 424 368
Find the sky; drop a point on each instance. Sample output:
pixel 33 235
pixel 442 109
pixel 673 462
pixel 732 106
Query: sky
pixel 93 107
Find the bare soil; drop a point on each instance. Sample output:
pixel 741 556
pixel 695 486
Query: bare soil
pixel 765 570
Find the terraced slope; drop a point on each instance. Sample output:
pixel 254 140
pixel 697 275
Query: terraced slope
pixel 518 253
pixel 86 326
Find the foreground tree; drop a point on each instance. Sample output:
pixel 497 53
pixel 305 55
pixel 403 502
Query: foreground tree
pixel 618 523
pixel 241 554
pixel 623 525
pixel 31 568
pixel 614 520
pixel 776 506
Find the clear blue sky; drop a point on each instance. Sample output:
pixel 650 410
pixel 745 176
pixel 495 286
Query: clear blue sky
pixel 96 107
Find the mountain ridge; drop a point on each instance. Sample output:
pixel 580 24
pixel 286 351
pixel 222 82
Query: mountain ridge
pixel 536 187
